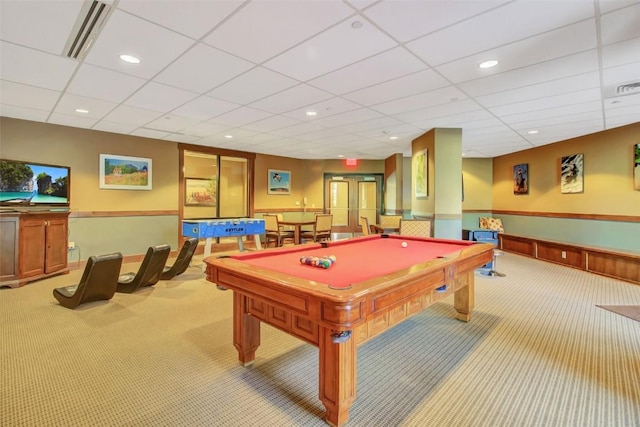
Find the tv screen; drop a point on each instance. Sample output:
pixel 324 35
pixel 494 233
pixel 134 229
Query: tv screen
pixel 27 183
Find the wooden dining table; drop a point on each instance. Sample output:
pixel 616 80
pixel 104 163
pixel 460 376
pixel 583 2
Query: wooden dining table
pixel 297 229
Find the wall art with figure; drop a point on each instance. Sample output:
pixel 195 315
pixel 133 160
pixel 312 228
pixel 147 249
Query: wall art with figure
pixel 572 174
pixel 521 179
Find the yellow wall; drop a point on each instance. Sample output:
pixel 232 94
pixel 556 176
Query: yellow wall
pixel 424 205
pixel 80 149
pixel 608 176
pixel 478 184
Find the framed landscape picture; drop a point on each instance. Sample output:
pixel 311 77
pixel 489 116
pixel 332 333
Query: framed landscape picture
pixel 124 172
pixel 420 183
pixel 636 168
pixel 572 174
pixel 279 182
pixel 200 192
pixel 521 179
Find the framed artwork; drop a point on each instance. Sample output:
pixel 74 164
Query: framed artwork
pixel 124 172
pixel 420 183
pixel 521 179
pixel 200 192
pixel 572 174
pixel 636 168
pixel 279 182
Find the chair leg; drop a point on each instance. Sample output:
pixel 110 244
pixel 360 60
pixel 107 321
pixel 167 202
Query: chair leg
pixel 493 272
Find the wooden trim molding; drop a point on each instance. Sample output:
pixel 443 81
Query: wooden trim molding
pixel 606 262
pixel 597 217
pixel 103 214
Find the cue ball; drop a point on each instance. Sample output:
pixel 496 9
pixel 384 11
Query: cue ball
pixel 404 244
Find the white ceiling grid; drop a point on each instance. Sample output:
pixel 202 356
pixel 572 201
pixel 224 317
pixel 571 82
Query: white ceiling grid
pixel 371 70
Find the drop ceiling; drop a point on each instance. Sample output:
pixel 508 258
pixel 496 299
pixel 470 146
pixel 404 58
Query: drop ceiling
pixel 243 74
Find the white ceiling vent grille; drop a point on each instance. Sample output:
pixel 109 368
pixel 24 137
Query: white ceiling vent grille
pixel 90 21
pixel 628 88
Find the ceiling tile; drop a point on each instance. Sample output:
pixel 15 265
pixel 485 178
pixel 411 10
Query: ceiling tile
pixel 202 68
pixel 354 116
pixel 205 129
pixel 621 74
pixel 406 20
pixel 290 99
pixel 548 46
pixel 272 123
pixel 24 65
pixel 27 23
pixel 100 83
pixel 241 116
pixel 204 108
pixel 253 85
pixel 171 123
pixel 23 113
pixel 123 33
pixel 96 108
pixel 534 74
pixel 326 108
pixel 158 97
pixel 420 101
pixel 380 68
pixel 263 29
pixel 150 133
pixel 620 25
pixel 337 47
pixel 69 120
pixel 506 24
pixel 193 18
pixel 28 96
pixel 402 87
pixel 544 103
pixel 131 115
pixel 114 127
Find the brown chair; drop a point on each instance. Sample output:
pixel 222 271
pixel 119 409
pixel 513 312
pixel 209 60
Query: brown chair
pixel 415 227
pixel 149 272
pixel 321 229
pixel 98 282
pixel 364 224
pixel 182 262
pixel 274 232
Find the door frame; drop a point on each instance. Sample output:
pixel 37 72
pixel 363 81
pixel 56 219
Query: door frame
pixel 353 177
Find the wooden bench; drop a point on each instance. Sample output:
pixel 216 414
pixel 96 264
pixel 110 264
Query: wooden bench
pixel 604 261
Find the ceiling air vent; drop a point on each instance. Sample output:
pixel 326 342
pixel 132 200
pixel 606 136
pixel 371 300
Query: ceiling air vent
pixel 90 21
pixel 624 89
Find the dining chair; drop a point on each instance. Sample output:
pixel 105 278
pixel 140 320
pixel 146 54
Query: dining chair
pixel 390 221
pixel 321 228
pixel 364 224
pixel 275 232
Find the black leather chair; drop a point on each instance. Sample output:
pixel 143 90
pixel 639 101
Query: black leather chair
pixel 98 282
pixel 149 272
pixel 182 262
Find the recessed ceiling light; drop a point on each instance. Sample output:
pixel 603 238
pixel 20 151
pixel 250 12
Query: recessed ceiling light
pixel 228 136
pixel 532 132
pixel 488 64
pixel 356 25
pixel 130 59
pixel 311 113
pixel 340 155
pixel 82 111
pixel 393 138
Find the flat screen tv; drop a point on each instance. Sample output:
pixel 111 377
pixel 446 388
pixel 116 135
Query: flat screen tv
pixel 32 184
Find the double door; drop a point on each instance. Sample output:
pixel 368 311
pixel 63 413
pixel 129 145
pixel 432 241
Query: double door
pixel 349 197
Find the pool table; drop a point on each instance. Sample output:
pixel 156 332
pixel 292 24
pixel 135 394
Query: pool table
pixel 375 283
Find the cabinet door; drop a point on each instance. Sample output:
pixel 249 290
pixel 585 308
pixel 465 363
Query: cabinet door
pixel 56 245
pixel 8 248
pixel 32 245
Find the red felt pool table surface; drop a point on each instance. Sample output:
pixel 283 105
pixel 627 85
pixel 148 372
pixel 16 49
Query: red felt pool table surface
pixel 357 259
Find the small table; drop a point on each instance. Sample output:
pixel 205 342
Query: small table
pixel 374 284
pixel 297 229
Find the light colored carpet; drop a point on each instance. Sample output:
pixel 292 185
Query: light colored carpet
pixel 538 352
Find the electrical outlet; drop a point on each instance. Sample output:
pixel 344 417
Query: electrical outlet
pixel 72 245
pixel 564 255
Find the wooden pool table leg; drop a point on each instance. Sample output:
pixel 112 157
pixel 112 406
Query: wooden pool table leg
pixel 246 330
pixel 464 299
pixel 337 377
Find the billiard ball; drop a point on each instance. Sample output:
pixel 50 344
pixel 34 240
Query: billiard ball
pixel 404 244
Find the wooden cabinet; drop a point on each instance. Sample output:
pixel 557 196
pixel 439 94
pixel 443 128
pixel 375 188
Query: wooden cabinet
pixel 36 244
